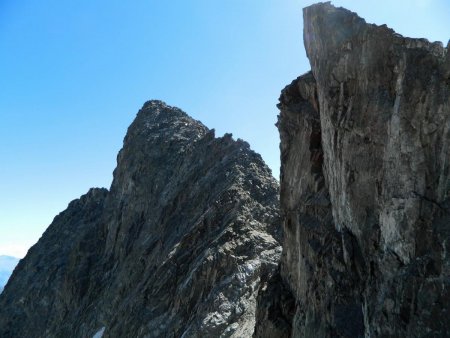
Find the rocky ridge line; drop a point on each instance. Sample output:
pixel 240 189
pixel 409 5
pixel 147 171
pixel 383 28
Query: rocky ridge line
pixel 176 248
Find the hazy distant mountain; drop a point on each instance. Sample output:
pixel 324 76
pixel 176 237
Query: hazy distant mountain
pixel 7 265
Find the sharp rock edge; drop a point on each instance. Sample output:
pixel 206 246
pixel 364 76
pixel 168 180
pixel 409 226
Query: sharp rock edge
pixel 365 154
pixel 176 248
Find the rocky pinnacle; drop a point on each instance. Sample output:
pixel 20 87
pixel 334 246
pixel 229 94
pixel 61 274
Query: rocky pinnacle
pixel 176 248
pixel 365 186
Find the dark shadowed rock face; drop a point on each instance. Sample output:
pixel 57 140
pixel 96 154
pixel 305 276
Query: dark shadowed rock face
pixel 176 248
pixel 365 152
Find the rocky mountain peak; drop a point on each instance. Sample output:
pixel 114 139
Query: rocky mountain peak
pixel 177 247
pixel 155 111
pixel 157 120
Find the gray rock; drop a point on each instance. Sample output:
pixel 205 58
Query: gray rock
pixel 365 187
pixel 176 248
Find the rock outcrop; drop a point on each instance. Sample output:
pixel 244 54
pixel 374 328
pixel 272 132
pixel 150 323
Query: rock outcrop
pixel 365 186
pixel 176 248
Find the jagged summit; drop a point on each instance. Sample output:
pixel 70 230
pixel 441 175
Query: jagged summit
pixel 176 247
pixel 159 109
pixel 156 119
pixel 157 104
pixel 348 27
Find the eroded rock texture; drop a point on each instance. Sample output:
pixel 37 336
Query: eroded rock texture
pixel 365 187
pixel 176 248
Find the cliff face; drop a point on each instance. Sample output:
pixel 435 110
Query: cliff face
pixel 177 247
pixel 365 186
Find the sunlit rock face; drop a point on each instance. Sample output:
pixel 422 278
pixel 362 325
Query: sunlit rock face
pixel 176 248
pixel 365 152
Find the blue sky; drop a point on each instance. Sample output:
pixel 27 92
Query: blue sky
pixel 74 74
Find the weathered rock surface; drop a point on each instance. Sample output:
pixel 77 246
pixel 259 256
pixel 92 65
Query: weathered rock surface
pixel 176 248
pixel 365 186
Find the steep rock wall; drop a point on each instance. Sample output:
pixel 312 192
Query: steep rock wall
pixel 365 187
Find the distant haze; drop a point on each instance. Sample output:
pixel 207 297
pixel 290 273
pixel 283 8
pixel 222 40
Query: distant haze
pixel 7 265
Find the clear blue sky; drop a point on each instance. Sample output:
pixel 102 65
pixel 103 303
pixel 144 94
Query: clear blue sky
pixel 73 74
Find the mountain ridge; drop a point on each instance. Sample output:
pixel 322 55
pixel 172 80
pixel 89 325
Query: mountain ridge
pixel 177 246
pixel 186 242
